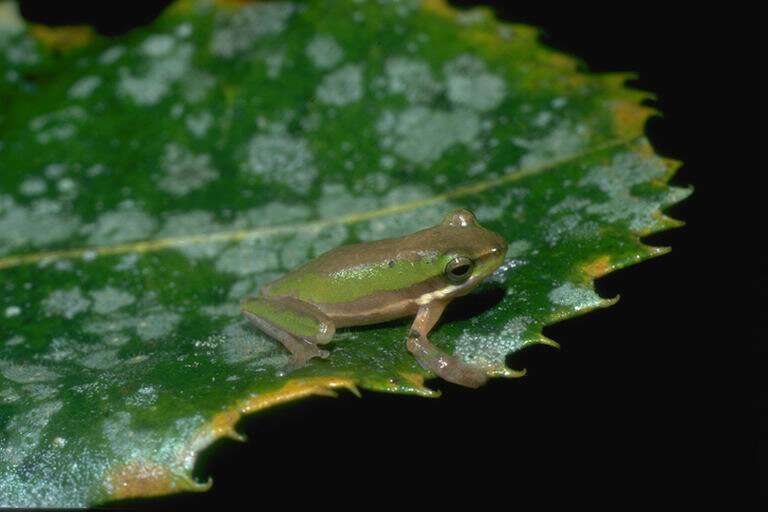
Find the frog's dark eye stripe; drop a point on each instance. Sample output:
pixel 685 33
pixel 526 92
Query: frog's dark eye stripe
pixel 459 269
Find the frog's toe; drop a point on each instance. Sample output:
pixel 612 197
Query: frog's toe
pixel 464 374
pixel 313 351
pixel 471 376
pixel 308 352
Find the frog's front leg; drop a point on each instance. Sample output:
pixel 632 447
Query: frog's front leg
pixel 299 326
pixel 432 358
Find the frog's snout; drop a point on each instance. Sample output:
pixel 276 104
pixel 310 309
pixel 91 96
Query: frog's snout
pixel 498 250
pixel 499 247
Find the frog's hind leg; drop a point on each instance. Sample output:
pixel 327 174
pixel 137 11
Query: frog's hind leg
pixel 301 349
pixel 299 326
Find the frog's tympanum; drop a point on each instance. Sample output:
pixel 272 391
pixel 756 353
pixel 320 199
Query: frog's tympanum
pixel 372 282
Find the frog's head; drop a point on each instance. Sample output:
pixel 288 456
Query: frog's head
pixel 469 254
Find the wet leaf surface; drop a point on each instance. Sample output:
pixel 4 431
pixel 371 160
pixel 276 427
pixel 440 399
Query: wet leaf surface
pixel 150 181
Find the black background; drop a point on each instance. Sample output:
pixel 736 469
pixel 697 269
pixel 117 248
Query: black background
pixel 639 407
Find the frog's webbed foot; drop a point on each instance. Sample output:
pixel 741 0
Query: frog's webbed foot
pixel 304 351
pixel 301 357
pixel 444 365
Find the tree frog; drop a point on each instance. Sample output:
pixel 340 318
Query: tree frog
pixel 373 282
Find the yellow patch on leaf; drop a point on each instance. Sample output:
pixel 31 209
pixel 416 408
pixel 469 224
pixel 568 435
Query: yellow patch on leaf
pixel 598 267
pixel 223 423
pixel 233 3
pixel 439 7
pixel 629 116
pixel 63 39
pixel 141 479
pixel 415 380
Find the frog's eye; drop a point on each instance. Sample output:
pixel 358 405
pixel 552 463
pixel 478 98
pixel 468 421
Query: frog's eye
pixel 459 269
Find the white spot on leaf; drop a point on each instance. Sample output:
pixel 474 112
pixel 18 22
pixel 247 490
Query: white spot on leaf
pixel 67 303
pixel 84 87
pixel 324 51
pixel 336 200
pixel 248 257
pixel 100 360
pixel 21 225
pixel 25 430
pixel 14 340
pixel 576 297
pixel 282 159
pixel 153 85
pixel 471 85
pixel 239 344
pixel 198 124
pixel 616 181
pixel 402 223
pixel 33 187
pixel 26 373
pixel 421 135
pixel 342 87
pixel 158 325
pixel 111 55
pixel 57 125
pixel 518 248
pixel 490 349
pixel 109 299
pixel 411 78
pixel 236 32
pixel 275 61
pixel 264 215
pixel 144 397
pixel 193 223
pixel 157 45
pixel 122 225
pixel 185 171
pixel 562 141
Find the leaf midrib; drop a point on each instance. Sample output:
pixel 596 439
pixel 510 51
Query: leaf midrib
pixel 153 245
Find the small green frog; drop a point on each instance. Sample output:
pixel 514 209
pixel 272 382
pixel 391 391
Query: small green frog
pixel 374 282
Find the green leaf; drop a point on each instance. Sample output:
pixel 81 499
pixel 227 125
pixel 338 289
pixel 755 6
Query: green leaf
pixel 149 182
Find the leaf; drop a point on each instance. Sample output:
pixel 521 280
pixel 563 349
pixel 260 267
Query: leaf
pixel 149 182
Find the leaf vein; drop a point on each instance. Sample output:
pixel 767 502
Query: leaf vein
pixel 146 246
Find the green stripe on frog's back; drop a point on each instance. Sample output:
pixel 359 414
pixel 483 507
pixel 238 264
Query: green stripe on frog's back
pixel 356 282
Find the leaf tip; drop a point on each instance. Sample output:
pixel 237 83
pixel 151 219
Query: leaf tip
pixel 543 340
pixel 512 374
pixel 413 383
pixel 659 251
pixel 355 391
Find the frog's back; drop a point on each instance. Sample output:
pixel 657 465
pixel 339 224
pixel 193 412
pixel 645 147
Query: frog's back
pixel 340 268
pixel 364 283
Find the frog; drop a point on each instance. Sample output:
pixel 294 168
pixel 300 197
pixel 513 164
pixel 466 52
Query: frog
pixel 415 275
